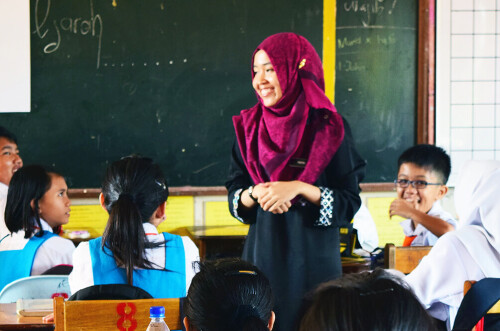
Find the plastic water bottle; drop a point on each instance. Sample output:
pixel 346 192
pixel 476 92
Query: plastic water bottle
pixel 157 314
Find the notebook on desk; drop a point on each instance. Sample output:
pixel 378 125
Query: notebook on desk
pixel 34 307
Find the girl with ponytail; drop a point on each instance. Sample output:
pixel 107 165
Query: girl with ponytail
pixel 229 295
pixel 131 251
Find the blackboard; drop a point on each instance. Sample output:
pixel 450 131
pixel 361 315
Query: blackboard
pixel 157 77
pixel 163 78
pixel 376 79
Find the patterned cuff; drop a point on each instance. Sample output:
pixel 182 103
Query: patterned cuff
pixel 236 202
pixel 326 208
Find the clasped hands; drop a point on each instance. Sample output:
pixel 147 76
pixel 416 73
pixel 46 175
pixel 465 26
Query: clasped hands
pixel 276 197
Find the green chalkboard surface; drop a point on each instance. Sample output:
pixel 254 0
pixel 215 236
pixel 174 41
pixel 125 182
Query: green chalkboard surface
pixel 159 77
pixel 376 79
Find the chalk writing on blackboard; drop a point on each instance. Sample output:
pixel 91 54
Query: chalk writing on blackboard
pixel 51 28
pixel 369 8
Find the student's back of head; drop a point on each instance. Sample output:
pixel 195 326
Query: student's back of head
pixel 429 157
pixel 132 190
pixel 365 301
pixel 229 294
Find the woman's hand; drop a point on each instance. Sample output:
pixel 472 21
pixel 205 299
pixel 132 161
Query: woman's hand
pixel 277 196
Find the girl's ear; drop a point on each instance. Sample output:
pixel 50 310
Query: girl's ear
pixel 32 204
pixel 101 201
pixel 270 324
pixel 185 321
pixel 160 211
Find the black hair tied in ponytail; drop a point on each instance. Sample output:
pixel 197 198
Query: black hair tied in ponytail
pixel 133 188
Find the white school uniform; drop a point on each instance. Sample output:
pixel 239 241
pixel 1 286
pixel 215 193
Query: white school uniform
pixel 423 236
pixel 3 200
pixel 54 251
pixel 367 230
pixel 82 274
pixel 470 253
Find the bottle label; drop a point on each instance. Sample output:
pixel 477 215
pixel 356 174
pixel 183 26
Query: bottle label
pixel 154 326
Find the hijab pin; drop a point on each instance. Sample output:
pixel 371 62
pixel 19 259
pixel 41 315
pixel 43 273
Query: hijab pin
pixel 302 63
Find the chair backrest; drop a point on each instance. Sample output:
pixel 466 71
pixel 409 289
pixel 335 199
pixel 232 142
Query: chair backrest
pixel 110 292
pixel 404 258
pixel 113 314
pixel 36 287
pixel 480 298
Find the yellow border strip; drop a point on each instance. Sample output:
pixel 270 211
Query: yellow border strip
pixel 329 24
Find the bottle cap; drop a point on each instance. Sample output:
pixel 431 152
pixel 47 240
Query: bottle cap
pixel 157 311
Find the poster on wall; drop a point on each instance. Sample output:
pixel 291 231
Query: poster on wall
pixel 15 80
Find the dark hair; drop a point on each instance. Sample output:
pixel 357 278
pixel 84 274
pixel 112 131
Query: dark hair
pixel 28 184
pixel 365 301
pixel 133 188
pixel 7 135
pixel 429 157
pixel 229 294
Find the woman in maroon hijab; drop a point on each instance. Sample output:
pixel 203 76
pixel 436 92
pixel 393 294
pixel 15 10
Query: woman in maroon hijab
pixel 294 175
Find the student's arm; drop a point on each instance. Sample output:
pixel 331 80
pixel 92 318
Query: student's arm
pixel 437 226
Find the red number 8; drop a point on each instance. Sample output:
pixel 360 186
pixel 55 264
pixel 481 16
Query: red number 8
pixel 126 322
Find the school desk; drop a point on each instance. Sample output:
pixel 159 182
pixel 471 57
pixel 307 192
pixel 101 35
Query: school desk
pixel 9 320
pixel 218 241
pixel 227 241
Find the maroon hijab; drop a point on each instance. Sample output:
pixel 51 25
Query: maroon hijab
pixel 303 126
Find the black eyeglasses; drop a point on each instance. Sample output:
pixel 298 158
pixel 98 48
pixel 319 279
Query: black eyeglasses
pixel 418 184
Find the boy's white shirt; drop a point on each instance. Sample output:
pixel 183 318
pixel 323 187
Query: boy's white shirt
pixel 3 199
pixel 82 274
pixel 54 251
pixel 424 236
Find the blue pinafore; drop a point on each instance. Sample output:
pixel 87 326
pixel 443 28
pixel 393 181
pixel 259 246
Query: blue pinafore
pixel 160 283
pixel 17 263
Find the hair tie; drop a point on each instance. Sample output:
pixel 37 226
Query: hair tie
pixel 126 195
pixel 240 272
pixel 160 184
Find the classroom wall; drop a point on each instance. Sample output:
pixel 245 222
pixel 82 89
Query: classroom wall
pixel 468 80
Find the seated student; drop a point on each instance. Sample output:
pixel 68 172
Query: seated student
pixel 37 206
pixel 131 251
pixel 10 162
pixel 227 295
pixel 422 176
pixel 472 252
pixel 365 301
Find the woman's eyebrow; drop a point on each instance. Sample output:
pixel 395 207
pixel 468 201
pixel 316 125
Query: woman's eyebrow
pixel 264 64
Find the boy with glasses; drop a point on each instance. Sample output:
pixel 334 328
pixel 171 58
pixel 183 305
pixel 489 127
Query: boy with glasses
pixel 421 183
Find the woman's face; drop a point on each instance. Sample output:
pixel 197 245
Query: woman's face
pixel 265 80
